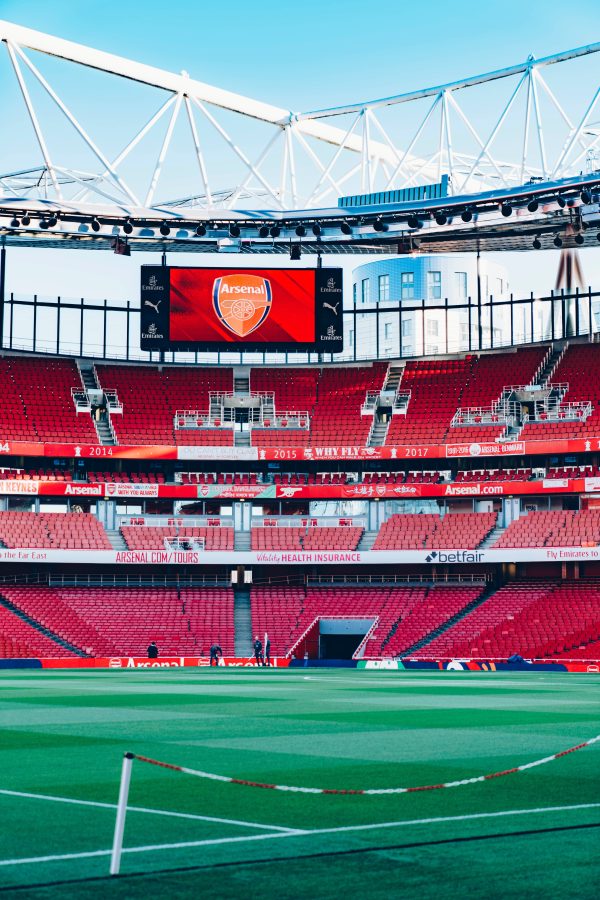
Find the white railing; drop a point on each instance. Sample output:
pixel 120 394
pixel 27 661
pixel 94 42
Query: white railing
pixel 198 478
pixel 232 399
pixel 401 401
pixel 291 419
pixel 185 543
pixel 113 404
pixel 194 418
pixel 360 650
pixel 172 521
pixel 191 418
pixel 302 637
pixel 308 522
pixel 577 411
pixel 562 386
pixel 370 403
pixel 482 415
pixel 81 400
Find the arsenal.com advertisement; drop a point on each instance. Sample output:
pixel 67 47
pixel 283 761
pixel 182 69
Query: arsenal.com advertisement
pixel 211 309
pixel 358 491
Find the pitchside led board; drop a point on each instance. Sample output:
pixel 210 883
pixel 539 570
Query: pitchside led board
pixel 234 309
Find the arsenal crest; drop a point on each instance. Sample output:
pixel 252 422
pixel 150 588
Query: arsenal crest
pixel 242 302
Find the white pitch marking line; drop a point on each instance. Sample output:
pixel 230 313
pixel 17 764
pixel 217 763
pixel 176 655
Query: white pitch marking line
pixel 294 833
pixel 143 809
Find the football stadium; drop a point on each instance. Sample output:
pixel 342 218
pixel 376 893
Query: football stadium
pixel 300 522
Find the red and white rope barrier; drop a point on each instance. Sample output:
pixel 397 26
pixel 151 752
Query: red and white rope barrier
pixel 128 759
pixel 366 791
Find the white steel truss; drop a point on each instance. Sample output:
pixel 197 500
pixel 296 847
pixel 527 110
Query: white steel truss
pixel 245 154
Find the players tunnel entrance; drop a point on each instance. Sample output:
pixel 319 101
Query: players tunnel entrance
pixel 341 638
pixel 333 638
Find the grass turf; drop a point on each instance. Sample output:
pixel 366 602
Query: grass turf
pixel 63 735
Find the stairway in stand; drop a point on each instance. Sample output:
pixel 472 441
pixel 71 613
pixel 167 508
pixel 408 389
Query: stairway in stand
pixel 378 433
pixel 554 357
pixel 117 541
pixel 394 376
pixel 242 540
pixel 242 619
pixel 101 421
pixel 367 540
pixel 494 535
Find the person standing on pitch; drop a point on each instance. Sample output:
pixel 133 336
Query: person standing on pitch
pixel 215 653
pixel 258 654
pixel 267 661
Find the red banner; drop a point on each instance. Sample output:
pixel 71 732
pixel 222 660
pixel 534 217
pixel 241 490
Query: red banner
pixel 298 492
pixel 403 452
pixel 163 662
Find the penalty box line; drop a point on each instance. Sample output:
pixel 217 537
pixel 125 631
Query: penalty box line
pixel 32 860
pixel 143 809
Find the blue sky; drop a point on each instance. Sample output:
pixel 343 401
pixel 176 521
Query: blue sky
pixel 299 56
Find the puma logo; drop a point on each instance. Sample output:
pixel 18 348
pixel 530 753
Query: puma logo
pixel 333 307
pixel 154 306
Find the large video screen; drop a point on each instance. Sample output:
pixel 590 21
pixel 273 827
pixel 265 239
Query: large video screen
pixel 258 309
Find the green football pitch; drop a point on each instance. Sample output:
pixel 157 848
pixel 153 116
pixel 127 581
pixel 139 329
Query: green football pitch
pixel 535 833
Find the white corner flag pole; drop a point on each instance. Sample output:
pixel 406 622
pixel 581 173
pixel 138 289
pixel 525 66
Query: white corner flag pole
pixel 115 859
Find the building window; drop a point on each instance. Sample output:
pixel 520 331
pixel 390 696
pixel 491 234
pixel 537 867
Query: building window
pixel 351 337
pixel 384 287
pixel 434 285
pixel 365 290
pixel 407 282
pixel 460 283
pixel 432 328
pixel 406 327
pixel 387 331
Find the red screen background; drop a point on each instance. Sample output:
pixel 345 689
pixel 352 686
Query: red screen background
pixel 291 319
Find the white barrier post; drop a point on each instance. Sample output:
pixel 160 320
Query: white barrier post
pixel 115 859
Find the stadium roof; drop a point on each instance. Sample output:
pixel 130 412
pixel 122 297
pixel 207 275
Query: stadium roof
pixel 284 182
